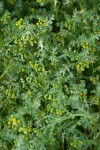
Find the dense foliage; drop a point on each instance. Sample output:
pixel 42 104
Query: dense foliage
pixel 49 75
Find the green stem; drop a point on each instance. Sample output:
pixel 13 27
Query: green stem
pixel 5 72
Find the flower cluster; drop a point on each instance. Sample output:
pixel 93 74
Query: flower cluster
pixel 42 22
pixel 27 38
pixel 36 67
pixel 20 23
pixel 83 95
pixel 51 106
pixel 33 10
pixel 58 36
pixel 96 99
pixel 5 19
pixel 25 131
pixel 76 143
pixel 37 83
pixel 94 79
pixel 86 45
pixel 13 121
pixel 69 24
pixel 39 1
pixel 10 93
pixel 54 110
pixel 82 65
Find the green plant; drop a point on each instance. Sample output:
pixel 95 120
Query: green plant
pixel 49 75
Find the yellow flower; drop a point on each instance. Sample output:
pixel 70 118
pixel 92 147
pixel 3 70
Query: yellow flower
pixel 39 1
pixel 29 93
pixel 23 69
pixel 14 121
pixel 18 121
pixel 19 130
pixel 9 122
pixel 74 144
pixel 31 64
pixel 33 10
pixel 31 39
pixel 19 23
pixel 87 43
pixel 60 112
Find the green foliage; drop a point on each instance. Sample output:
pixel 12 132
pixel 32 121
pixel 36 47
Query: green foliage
pixel 49 75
